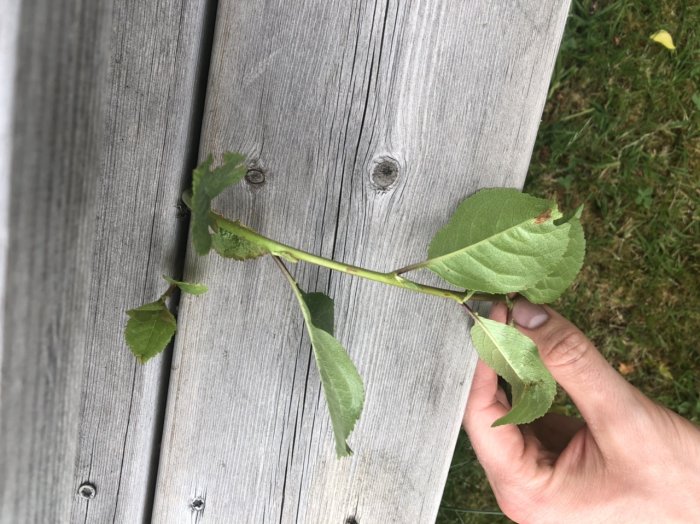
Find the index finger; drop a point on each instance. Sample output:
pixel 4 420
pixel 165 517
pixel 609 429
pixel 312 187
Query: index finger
pixel 497 448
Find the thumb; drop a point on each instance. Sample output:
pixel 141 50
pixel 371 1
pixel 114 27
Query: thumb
pixel 599 392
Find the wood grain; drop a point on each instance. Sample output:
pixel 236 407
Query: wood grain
pixel 104 119
pixel 328 99
pixel 55 154
pixel 9 30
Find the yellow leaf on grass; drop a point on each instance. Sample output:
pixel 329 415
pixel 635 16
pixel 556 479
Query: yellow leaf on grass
pixel 664 38
pixel 664 371
pixel 625 369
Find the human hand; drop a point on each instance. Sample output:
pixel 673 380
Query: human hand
pixel 632 460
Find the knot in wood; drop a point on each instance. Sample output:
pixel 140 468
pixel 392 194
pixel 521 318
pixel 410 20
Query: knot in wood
pixel 255 177
pixel 385 173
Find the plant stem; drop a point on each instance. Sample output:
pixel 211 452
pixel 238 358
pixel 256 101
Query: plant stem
pixel 406 269
pixel 284 270
pixel 509 315
pixel 169 292
pixel 471 312
pixel 392 279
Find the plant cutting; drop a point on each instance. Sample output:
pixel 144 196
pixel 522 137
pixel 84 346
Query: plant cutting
pixel 498 243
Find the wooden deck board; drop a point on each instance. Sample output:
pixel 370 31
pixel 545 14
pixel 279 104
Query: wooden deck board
pixel 104 122
pixel 318 96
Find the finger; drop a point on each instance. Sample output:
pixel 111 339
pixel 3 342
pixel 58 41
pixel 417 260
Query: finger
pixel 499 312
pixel 600 393
pixel 500 448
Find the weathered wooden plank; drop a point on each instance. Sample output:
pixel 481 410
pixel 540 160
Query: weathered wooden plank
pixel 105 115
pixel 325 97
pixel 56 115
pixel 153 122
pixel 9 29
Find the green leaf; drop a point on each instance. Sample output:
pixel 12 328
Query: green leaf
pixel 229 245
pixel 321 309
pixel 514 357
pixel 207 185
pixel 499 241
pixel 696 99
pixel 553 285
pixel 149 329
pixel 342 384
pixel 187 287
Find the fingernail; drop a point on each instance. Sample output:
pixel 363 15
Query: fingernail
pixel 528 315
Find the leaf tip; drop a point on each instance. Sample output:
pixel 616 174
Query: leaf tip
pixel 343 451
pixel 191 288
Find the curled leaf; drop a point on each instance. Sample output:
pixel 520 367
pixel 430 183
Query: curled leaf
pixel 207 184
pixel 664 38
pixel 187 287
pixel 230 245
pixel 515 358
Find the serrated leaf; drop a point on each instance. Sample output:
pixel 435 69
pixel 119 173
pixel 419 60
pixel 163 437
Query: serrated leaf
pixel 664 38
pixel 342 384
pixel 515 358
pixel 149 329
pixel 564 273
pixel 207 185
pixel 499 241
pixel 187 287
pixel 229 245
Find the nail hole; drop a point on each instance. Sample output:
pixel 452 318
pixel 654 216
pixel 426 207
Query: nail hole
pixel 385 174
pixel 197 504
pixel 87 490
pixel 351 520
pixel 255 177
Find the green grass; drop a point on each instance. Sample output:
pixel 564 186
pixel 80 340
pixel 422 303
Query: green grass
pixel 621 134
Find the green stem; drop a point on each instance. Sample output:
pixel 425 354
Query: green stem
pixel 169 292
pixel 509 315
pixel 406 269
pixel 471 313
pixel 285 271
pixel 392 279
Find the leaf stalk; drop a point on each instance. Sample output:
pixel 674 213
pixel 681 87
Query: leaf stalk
pixel 392 278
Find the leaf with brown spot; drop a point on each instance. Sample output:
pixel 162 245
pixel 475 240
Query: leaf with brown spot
pixel 543 217
pixel 492 244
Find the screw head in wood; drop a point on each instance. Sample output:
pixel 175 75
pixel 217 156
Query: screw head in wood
pixel 197 504
pixel 87 490
pixel 255 177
